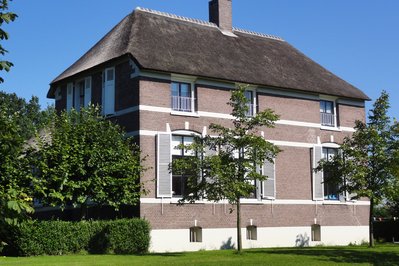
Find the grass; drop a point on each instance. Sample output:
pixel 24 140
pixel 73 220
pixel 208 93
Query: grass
pixel 356 255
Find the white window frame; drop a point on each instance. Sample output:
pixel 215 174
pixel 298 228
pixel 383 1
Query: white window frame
pixel 329 146
pixel 191 81
pixel 180 133
pixel 334 101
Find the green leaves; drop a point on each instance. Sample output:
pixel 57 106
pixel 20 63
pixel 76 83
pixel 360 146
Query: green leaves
pixel 5 17
pixel 87 158
pixel 229 156
pixel 367 165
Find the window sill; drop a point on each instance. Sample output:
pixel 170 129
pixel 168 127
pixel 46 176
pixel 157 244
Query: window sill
pixel 330 128
pixel 179 113
pixel 334 202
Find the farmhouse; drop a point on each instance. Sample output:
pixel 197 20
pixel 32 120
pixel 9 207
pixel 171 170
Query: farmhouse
pixel 165 77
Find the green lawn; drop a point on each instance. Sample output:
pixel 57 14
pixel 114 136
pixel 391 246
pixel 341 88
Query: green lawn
pixel 382 255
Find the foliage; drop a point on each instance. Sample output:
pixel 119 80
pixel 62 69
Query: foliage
pixel 85 157
pixel 5 17
pixel 228 159
pixel 32 238
pixel 19 121
pixel 122 232
pixel 364 165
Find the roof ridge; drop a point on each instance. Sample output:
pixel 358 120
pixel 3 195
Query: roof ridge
pixel 206 23
pixel 269 36
pixel 193 20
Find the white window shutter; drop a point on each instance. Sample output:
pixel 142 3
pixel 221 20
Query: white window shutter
pixel 164 158
pixel 69 99
pixel 87 91
pixel 269 185
pixel 317 176
pixel 109 91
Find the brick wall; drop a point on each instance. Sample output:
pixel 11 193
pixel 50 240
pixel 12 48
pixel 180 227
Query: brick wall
pixel 277 215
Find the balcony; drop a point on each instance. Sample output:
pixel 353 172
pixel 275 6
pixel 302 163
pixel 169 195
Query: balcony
pixel 327 119
pixel 182 104
pixel 250 111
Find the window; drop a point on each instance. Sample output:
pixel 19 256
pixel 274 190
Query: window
pixel 195 234
pixel 331 191
pixel 249 95
pixel 109 91
pixel 252 233
pixel 79 94
pixel 182 97
pixel 316 232
pixel 327 116
pixel 179 182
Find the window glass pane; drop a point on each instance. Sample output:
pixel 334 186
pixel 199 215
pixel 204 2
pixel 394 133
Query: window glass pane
pixel 248 95
pixel 188 141
pixel 176 141
pixel 175 89
pixel 177 185
pixel 185 90
pixel 329 107
pixel 322 106
pixel 110 74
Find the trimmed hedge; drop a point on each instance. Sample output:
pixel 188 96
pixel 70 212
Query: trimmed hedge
pixel 32 238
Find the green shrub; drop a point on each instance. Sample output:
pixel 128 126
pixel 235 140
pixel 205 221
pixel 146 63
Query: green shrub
pixel 129 236
pixel 32 238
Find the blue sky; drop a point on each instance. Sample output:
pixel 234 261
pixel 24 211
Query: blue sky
pixel 358 40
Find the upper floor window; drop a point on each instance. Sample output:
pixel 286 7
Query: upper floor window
pixel 327 116
pixel 249 95
pixel 179 181
pixel 182 97
pixel 78 94
pixel 331 191
pixel 108 99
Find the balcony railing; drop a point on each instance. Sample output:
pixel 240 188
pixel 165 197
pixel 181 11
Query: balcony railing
pixel 327 119
pixel 182 104
pixel 250 111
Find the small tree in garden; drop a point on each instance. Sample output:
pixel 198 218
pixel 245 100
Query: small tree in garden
pixel 81 157
pixel 365 167
pixel 228 160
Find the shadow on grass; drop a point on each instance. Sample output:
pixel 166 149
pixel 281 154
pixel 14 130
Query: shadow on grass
pixel 167 254
pixel 341 255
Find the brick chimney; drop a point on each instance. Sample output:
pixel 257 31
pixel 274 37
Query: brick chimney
pixel 220 13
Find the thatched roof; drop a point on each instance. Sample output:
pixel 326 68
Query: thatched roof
pixel 168 43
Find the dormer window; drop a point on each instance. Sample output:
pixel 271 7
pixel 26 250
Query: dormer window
pixel 182 97
pixel 327 114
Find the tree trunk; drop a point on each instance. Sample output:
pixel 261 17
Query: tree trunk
pixel 371 227
pixel 239 245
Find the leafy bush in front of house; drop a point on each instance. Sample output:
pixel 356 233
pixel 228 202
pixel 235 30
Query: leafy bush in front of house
pixel 32 238
pixel 129 236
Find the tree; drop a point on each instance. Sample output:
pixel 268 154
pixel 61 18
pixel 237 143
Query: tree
pixel 15 177
pixel 363 168
pixel 19 121
pixel 228 160
pixel 5 17
pixel 81 157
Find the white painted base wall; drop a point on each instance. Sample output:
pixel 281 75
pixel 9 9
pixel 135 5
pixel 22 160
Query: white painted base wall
pixel 175 240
